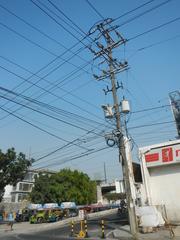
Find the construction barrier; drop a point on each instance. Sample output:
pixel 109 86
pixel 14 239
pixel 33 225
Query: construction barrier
pixel 72 228
pixel 102 229
pixel 83 231
pixel 86 229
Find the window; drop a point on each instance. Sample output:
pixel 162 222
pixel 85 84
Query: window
pixel 13 198
pixel 25 187
pixel 22 196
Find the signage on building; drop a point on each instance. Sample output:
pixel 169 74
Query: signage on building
pixel 163 155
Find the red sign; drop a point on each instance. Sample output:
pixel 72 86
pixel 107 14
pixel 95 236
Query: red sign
pixel 152 157
pixel 167 154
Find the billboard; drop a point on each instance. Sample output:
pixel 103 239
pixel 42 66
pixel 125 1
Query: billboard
pixel 175 104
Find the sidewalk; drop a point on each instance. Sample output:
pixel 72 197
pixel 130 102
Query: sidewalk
pixel 123 233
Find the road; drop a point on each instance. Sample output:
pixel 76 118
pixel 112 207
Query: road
pixel 63 232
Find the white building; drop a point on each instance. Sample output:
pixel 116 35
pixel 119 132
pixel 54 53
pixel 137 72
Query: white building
pixel 21 190
pixel 160 165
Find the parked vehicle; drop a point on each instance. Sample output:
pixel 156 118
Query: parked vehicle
pixel 46 215
pixel 70 212
pixel 24 215
pixel 69 209
pixel 1 216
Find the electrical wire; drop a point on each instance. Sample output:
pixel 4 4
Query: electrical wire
pixel 158 43
pixel 54 85
pixel 134 9
pixel 65 154
pixel 154 28
pixel 46 13
pixel 143 13
pixel 92 6
pixel 43 48
pixel 152 124
pixel 150 109
pixel 46 106
pixel 69 25
pixel 39 128
pixel 47 91
pixel 73 158
pixel 27 39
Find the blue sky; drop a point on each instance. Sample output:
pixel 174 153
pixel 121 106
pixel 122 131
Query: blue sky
pixel 31 39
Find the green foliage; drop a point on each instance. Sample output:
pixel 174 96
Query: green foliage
pixel 115 196
pixel 13 168
pixel 64 186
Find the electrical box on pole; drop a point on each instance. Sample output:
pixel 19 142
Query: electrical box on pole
pixel 125 107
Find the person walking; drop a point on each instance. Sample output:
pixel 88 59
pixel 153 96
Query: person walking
pixel 10 221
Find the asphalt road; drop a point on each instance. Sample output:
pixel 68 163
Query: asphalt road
pixel 61 233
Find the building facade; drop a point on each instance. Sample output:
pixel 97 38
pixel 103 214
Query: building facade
pixel 115 187
pixel 160 165
pixel 21 190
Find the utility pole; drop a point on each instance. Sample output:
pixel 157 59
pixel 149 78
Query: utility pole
pixel 105 176
pixel 107 33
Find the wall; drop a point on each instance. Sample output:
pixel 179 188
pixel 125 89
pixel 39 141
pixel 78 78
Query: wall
pixel 165 189
pixel 7 193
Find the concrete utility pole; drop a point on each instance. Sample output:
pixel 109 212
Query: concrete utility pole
pixel 105 176
pixel 108 33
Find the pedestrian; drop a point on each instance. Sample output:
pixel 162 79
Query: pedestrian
pixel 10 221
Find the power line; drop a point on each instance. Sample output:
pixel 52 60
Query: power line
pixel 150 125
pixel 43 48
pixel 45 90
pixel 143 13
pixel 32 26
pixel 59 10
pixel 54 85
pixel 154 28
pixel 56 59
pixel 106 57
pixel 74 158
pixel 46 106
pixel 50 72
pixel 55 6
pixel 81 68
pixel 45 114
pixel 39 128
pixel 150 109
pixel 60 148
pixel 27 39
pixel 61 155
pixel 45 130
pixel 158 43
pixel 134 9
pixel 98 13
pixel 57 22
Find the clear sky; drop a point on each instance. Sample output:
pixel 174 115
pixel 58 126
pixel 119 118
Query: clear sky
pixel 46 62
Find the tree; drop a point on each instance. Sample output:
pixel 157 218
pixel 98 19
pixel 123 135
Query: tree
pixel 41 190
pixel 13 168
pixel 64 186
